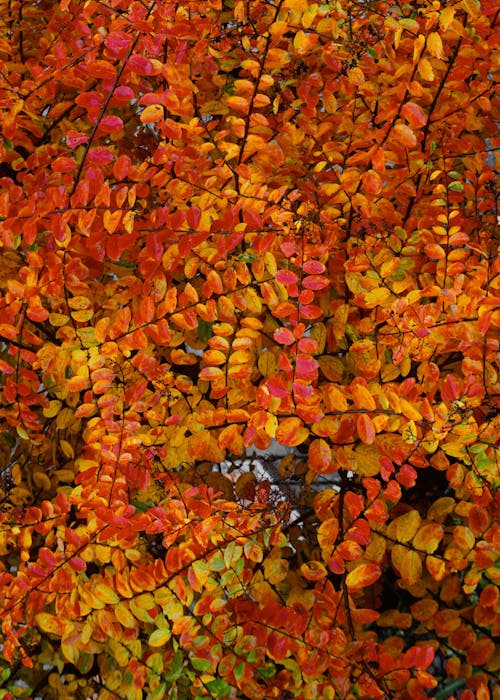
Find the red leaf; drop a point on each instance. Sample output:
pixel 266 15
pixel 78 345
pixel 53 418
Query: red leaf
pixel 75 138
pixel 284 336
pixel 193 217
pixel 313 267
pixel 140 64
pixel 315 282
pixel 286 277
pixel 101 69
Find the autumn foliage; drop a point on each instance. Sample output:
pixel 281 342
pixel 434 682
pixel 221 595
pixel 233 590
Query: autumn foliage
pixel 229 226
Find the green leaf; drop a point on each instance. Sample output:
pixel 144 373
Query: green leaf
pixel 219 688
pixel 176 667
pixel 140 506
pixel 456 186
pixel 239 671
pixel 205 330
pixel 249 256
pixel 267 671
pixel 201 664
pixel 158 693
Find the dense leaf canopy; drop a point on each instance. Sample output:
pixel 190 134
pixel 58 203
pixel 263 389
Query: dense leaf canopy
pixel 228 228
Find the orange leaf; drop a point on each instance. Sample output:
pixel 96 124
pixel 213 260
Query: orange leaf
pixel 313 571
pixel 327 536
pixel 436 567
pixel 291 432
pixel 372 182
pixel 362 396
pixel 151 114
pixel 238 103
pixel 362 576
pixel 405 135
pixel 410 567
pixel 481 651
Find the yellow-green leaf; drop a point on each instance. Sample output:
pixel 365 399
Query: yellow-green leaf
pixel 160 637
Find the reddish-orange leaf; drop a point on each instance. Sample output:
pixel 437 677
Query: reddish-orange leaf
pixel 414 114
pixel 320 457
pixel 372 182
pixel 366 429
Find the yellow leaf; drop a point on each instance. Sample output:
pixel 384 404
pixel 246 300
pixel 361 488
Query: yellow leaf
pixel 42 481
pixel 124 616
pixel 435 45
pixel 441 508
pixel 66 416
pixel 102 594
pixel 267 363
pixel 303 41
pixel 446 17
pixel 50 623
pixel 366 461
pixel 70 652
pixel 82 316
pixel 428 537
pixel 58 320
pixel 375 298
pixel 66 449
pixel 410 567
pixel 332 367
pixel 214 357
pixel 407 525
pixel 52 409
pixel 327 536
pixel 275 569
pixel 464 537
pixel 240 357
pixel 79 303
pixel 472 7
pixel 408 410
pixel 425 69
pixel 418 45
